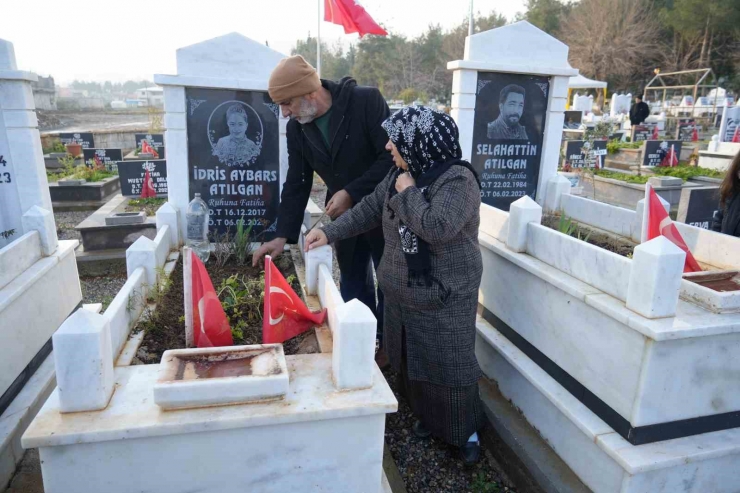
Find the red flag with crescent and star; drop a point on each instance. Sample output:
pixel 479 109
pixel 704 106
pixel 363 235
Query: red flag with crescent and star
pixel 285 314
pixel 148 149
pixel 658 222
pixel 655 132
pixel 210 325
pixel 147 188
pixel 352 16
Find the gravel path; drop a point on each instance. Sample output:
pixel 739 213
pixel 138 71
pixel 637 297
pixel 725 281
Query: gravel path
pixel 66 222
pixel 430 465
pixel 102 289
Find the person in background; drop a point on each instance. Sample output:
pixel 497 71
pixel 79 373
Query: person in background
pixel 430 272
pixel 639 111
pixel 334 130
pixel 727 219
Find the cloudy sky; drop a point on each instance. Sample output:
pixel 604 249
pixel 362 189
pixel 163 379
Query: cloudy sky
pixel 134 39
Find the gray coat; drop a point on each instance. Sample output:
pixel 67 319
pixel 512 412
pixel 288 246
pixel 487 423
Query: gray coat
pixel 439 320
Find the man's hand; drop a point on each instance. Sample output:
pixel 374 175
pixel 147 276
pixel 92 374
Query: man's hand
pixel 315 238
pixel 404 181
pixel 272 248
pixel 339 204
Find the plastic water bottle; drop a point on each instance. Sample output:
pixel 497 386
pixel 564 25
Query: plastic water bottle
pixel 197 232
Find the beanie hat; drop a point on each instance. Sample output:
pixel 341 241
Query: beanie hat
pixel 292 77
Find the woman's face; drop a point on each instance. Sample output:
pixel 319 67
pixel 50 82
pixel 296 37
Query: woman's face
pixel 237 125
pixel 397 159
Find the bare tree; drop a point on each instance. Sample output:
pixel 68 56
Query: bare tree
pixel 612 40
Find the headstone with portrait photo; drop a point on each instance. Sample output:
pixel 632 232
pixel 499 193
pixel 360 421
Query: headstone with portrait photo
pixel 643 132
pixel 85 139
pixel 233 155
pixel 509 97
pixel 685 130
pixel 573 119
pixel 102 157
pixel 655 151
pixel 154 140
pixel 133 173
pixel 510 113
pixel 584 154
pixel 225 137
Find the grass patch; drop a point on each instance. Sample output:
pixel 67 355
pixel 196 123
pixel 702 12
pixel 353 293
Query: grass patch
pixel 640 180
pixel 149 205
pixel 613 146
pixel 80 172
pixel 686 172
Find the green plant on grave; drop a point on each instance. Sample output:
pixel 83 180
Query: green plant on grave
pixel 67 162
pixel 56 146
pixel 237 331
pixel 567 226
pixel 7 233
pixel 481 485
pixel 242 242
pixel 242 298
pixel 685 172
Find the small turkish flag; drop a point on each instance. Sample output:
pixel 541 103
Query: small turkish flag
pixel 736 135
pixel 670 160
pixel 147 149
pixel 210 325
pixel 655 132
pixel 147 188
pixel 98 162
pixel 352 16
pixel 695 135
pixel 285 314
pixel 659 223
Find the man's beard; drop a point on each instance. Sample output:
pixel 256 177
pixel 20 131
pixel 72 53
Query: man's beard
pixel 307 112
pixel 512 120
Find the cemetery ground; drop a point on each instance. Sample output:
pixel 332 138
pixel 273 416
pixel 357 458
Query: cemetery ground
pixel 79 120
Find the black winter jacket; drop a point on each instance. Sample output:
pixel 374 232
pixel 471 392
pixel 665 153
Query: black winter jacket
pixel 727 220
pixel 639 113
pixel 356 163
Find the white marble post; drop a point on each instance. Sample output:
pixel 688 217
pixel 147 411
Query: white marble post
pixel 231 62
pixel 655 278
pixel 353 351
pixel 556 188
pixel 522 212
pixel 518 48
pixel 167 215
pixel 23 181
pixel 83 359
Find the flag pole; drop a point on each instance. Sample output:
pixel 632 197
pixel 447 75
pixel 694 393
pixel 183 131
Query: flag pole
pixel 471 25
pixel 318 44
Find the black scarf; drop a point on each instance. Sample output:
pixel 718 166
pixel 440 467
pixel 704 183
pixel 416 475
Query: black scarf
pixel 428 140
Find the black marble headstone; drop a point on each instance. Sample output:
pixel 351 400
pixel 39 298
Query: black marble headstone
pixel 656 150
pixel 234 160
pixel 575 154
pixel 643 132
pixel 154 140
pixel 685 130
pixel 507 148
pixel 85 139
pixel 572 120
pixel 107 157
pixel 697 206
pixel 132 174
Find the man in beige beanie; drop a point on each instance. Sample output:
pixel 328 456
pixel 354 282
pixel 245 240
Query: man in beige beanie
pixel 335 131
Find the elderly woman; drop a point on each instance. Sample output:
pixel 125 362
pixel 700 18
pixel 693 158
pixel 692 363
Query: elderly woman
pixel 430 272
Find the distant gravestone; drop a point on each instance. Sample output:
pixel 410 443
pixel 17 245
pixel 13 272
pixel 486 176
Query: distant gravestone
pixel 584 104
pixel 656 150
pixel 685 130
pixel 620 104
pixel 233 158
pixel 508 132
pixel 643 132
pixel 573 120
pixel 697 206
pixel 154 140
pixel 106 157
pixel 729 124
pixel 132 174
pixel 576 152
pixel 85 139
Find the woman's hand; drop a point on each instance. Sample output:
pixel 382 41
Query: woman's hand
pixel 404 181
pixel 315 238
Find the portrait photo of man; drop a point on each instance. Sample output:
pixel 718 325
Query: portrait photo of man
pixel 511 106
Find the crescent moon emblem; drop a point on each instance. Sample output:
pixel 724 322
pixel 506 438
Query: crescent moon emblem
pixel 275 289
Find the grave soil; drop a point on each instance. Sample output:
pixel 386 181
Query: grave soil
pixel 149 206
pixel 620 246
pixel 165 326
